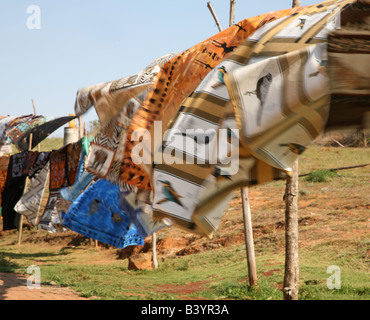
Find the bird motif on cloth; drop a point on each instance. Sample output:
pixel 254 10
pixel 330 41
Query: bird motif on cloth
pixel 321 68
pixel 117 218
pixel 302 23
pixel 201 63
pixel 198 137
pixel 221 80
pixel 294 147
pixel 262 88
pixel 250 93
pixel 169 193
pixel 94 206
pixel 240 27
pixel 219 174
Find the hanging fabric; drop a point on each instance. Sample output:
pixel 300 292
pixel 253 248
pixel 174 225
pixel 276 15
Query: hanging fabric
pixel 30 202
pixel 177 79
pixel 4 164
pixel 140 213
pixel 13 190
pixel 280 102
pixel 97 214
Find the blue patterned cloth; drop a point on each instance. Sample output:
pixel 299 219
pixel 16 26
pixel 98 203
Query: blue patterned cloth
pixel 142 221
pixel 97 214
pixel 71 193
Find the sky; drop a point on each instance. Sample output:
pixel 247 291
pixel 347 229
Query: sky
pixel 49 49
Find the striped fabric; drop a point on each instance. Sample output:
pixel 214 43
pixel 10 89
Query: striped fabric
pixel 279 67
pixel 177 79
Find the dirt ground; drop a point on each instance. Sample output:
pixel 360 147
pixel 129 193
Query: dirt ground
pixel 14 287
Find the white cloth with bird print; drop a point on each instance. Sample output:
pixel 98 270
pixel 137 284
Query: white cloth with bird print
pixel 277 84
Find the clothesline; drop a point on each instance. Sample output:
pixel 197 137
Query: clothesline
pixel 267 85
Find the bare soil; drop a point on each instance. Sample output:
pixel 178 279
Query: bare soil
pixel 14 287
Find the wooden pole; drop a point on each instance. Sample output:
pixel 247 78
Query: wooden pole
pixel 34 108
pixel 291 274
pixel 80 126
pixel 209 5
pixel 35 114
pixel 232 13
pixel 249 243
pixel 154 247
pixel 20 230
pixel 248 230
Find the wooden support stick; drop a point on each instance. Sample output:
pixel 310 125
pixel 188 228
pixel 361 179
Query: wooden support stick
pixel 232 13
pixel 248 230
pixel 154 247
pixel 80 126
pixel 35 114
pixel 249 244
pixel 34 108
pixel 209 5
pixel 20 230
pixel 291 274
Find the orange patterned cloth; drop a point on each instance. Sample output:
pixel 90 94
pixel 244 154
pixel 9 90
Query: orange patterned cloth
pixel 4 163
pixel 73 158
pixel 64 164
pixel 177 79
pixel 58 174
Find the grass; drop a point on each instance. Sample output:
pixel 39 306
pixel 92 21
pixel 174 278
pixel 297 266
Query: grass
pixel 51 143
pixel 222 271
pixel 333 230
pixel 320 176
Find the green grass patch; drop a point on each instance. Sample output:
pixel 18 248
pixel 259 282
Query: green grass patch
pixel 321 176
pixel 48 144
pixel 6 264
pixel 222 272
